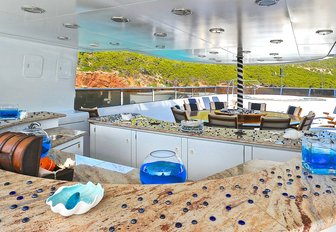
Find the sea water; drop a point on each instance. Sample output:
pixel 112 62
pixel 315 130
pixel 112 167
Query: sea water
pixel 319 158
pixel 162 172
pixel 46 145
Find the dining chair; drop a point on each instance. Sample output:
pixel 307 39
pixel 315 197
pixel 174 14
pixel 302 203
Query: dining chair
pixel 192 106
pixel 192 100
pixel 218 105
pixel 206 102
pixel 294 110
pixel 267 123
pixel 215 99
pixel 180 115
pixel 306 121
pixel 223 120
pixel 257 106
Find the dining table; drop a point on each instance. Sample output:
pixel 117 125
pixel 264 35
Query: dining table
pixel 246 120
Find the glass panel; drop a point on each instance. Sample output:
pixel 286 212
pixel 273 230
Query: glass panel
pixel 134 96
pixel 97 98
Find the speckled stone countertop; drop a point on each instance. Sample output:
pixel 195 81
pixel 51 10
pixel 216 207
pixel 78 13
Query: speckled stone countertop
pixel 282 198
pixel 60 135
pixel 32 117
pixel 252 137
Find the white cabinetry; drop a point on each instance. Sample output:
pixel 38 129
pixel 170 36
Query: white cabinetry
pixel 206 158
pixel 148 142
pixel 260 153
pixel 111 144
pixel 74 146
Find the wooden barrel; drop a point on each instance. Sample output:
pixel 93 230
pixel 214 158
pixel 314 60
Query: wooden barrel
pixel 20 153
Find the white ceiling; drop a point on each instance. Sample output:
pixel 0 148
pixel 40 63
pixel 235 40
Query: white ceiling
pixel 293 21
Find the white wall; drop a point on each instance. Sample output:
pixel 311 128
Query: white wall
pixel 53 90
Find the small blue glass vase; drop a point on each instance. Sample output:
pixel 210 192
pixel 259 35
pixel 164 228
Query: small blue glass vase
pixel 319 155
pixel 162 167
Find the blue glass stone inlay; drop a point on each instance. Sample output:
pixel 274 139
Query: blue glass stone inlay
pixel 205 203
pixel 53 188
pixel 168 202
pixel 305 173
pixel 328 191
pixel 6 183
pixel 297 167
pixel 123 206
pixel 237 186
pixel 178 224
pixel 51 193
pixel 304 188
pixel 133 221
pixel 228 195
pixel 333 179
pixel 264 192
pixel 289 183
pixel 162 216
pixel 185 210
pixel 292 197
pixel 26 219
pixel 12 193
pixel 289 175
pixel 287 170
pixel 25 208
pixel 188 203
pixel 316 194
pixel 34 195
pixel 19 198
pixel 285 194
pixel 194 222
pixel 204 187
pixel 255 187
pixel 170 193
pixel 195 195
pixel 140 198
pixel 310 177
pixel 291 180
pixel 39 190
pixel 141 210
pixel 29 182
pixel 279 177
pixel 304 196
pixel 241 222
pixel 272 172
pixel 261 180
pixel 298 176
pixel 212 218
pixel 279 184
pixel 13 206
pixel 250 201
pixel 112 229
pixel 221 188
pixel 318 186
pixel 155 201
pixel 228 208
pixel 266 196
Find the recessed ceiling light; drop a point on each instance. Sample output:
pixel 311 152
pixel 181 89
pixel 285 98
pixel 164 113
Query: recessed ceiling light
pixel 114 44
pixel 218 61
pixel 246 51
pixel 201 56
pixel 213 52
pixel 274 54
pixel 71 25
pixel 212 58
pixel 120 19
pixel 276 41
pixel 181 11
pixel 62 37
pixel 324 32
pixel 160 46
pixel 277 57
pixel 33 9
pixel 260 60
pixel 266 2
pixel 216 30
pixel 160 34
pixel 95 45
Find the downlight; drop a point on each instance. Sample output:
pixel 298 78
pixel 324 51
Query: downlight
pixel 276 41
pixel 62 37
pixel 120 19
pixel 181 11
pixel 114 44
pixel 71 25
pixel 324 32
pixel 213 52
pixel 201 56
pixel 94 45
pixel 33 9
pixel 216 30
pixel 266 2
pixel 160 46
pixel 160 34
pixel 274 54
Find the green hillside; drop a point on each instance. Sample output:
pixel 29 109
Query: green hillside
pixel 176 73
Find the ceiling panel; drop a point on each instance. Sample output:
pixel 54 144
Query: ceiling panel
pixel 246 25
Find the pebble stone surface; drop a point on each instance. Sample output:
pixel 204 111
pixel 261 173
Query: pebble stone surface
pixel 307 204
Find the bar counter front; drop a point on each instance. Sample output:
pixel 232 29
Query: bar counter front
pixel 281 198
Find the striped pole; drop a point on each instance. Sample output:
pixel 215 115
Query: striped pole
pixel 240 79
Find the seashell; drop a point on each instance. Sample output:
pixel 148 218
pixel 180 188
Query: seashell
pixel 89 196
pixel 292 134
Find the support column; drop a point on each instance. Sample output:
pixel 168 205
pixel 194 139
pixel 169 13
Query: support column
pixel 240 84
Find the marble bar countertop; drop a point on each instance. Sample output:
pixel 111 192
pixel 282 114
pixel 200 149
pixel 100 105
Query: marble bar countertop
pixel 31 117
pixel 61 135
pixel 97 171
pixel 253 137
pixel 281 198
